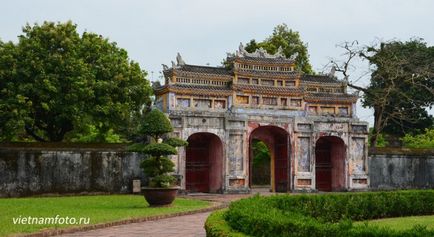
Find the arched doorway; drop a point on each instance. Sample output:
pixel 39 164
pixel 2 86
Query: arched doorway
pixel 204 162
pixel 330 164
pixel 277 142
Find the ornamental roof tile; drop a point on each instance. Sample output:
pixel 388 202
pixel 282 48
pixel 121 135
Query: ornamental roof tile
pixel 195 89
pixel 319 79
pixel 200 87
pixel 204 69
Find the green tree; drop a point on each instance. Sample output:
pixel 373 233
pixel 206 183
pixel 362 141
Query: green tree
pixel 68 81
pixel 11 104
pixel 425 140
pixel 381 140
pixel 291 44
pixel 261 163
pixel 260 152
pixel 401 84
pixel 158 166
pixel 415 121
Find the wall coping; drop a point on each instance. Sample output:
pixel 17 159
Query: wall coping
pixel 64 146
pixel 401 151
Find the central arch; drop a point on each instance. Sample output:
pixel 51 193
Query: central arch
pixel 330 164
pixel 204 162
pixel 277 141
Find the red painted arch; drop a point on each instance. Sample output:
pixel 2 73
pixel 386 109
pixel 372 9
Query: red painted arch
pixel 330 164
pixel 204 163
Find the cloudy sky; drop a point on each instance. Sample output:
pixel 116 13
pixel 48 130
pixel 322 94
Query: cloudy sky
pixel 203 31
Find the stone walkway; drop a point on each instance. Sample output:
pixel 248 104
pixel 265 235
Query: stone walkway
pixel 188 225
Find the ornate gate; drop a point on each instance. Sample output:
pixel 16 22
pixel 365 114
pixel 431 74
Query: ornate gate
pixel 281 168
pixel 197 167
pixel 323 166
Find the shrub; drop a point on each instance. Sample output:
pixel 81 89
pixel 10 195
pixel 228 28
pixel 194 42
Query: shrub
pixel 216 225
pixel 425 140
pixel 156 124
pixel 158 166
pixel 326 215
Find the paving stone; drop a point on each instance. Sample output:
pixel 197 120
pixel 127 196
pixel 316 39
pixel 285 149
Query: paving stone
pixel 185 226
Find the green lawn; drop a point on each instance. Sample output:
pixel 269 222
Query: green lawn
pixel 99 209
pixel 401 223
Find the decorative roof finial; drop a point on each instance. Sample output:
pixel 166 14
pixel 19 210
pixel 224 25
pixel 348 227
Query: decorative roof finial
pixel 241 50
pixel 241 47
pixel 260 53
pixel 280 53
pixel 179 60
pixel 294 56
pixel 332 71
pixel 165 67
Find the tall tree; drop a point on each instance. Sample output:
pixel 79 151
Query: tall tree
pixel 401 84
pixel 261 163
pixel 291 44
pixel 11 104
pixel 68 81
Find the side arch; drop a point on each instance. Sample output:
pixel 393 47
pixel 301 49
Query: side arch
pixel 204 163
pixel 330 164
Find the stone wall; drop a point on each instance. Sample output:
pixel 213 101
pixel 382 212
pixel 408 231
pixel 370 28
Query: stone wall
pixel 401 168
pixel 30 169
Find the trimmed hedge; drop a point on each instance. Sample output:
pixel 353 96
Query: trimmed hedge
pixel 216 225
pixel 322 215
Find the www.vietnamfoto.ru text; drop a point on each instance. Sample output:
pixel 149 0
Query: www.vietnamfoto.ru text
pixel 56 220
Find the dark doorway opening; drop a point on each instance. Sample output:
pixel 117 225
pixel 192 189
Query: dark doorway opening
pixel 330 164
pixel 204 161
pixel 277 141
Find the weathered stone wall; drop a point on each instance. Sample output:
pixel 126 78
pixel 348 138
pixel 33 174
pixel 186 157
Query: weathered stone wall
pixel 401 169
pixel 29 169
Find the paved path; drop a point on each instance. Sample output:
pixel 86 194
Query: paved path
pixel 188 226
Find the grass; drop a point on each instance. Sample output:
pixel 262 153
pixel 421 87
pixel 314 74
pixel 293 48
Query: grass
pixel 401 223
pixel 99 209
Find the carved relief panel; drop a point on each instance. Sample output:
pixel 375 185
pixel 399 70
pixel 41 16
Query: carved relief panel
pixel 304 154
pixel 358 147
pixel 235 154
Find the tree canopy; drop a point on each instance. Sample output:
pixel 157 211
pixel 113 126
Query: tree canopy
pixel 401 85
pixel 12 105
pixel 261 163
pixel 291 44
pixel 56 81
pixel 423 140
pixel 155 124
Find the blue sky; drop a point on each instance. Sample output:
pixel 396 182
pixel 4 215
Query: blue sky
pixel 203 31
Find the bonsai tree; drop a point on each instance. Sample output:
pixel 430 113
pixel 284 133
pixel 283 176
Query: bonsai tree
pixel 158 166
